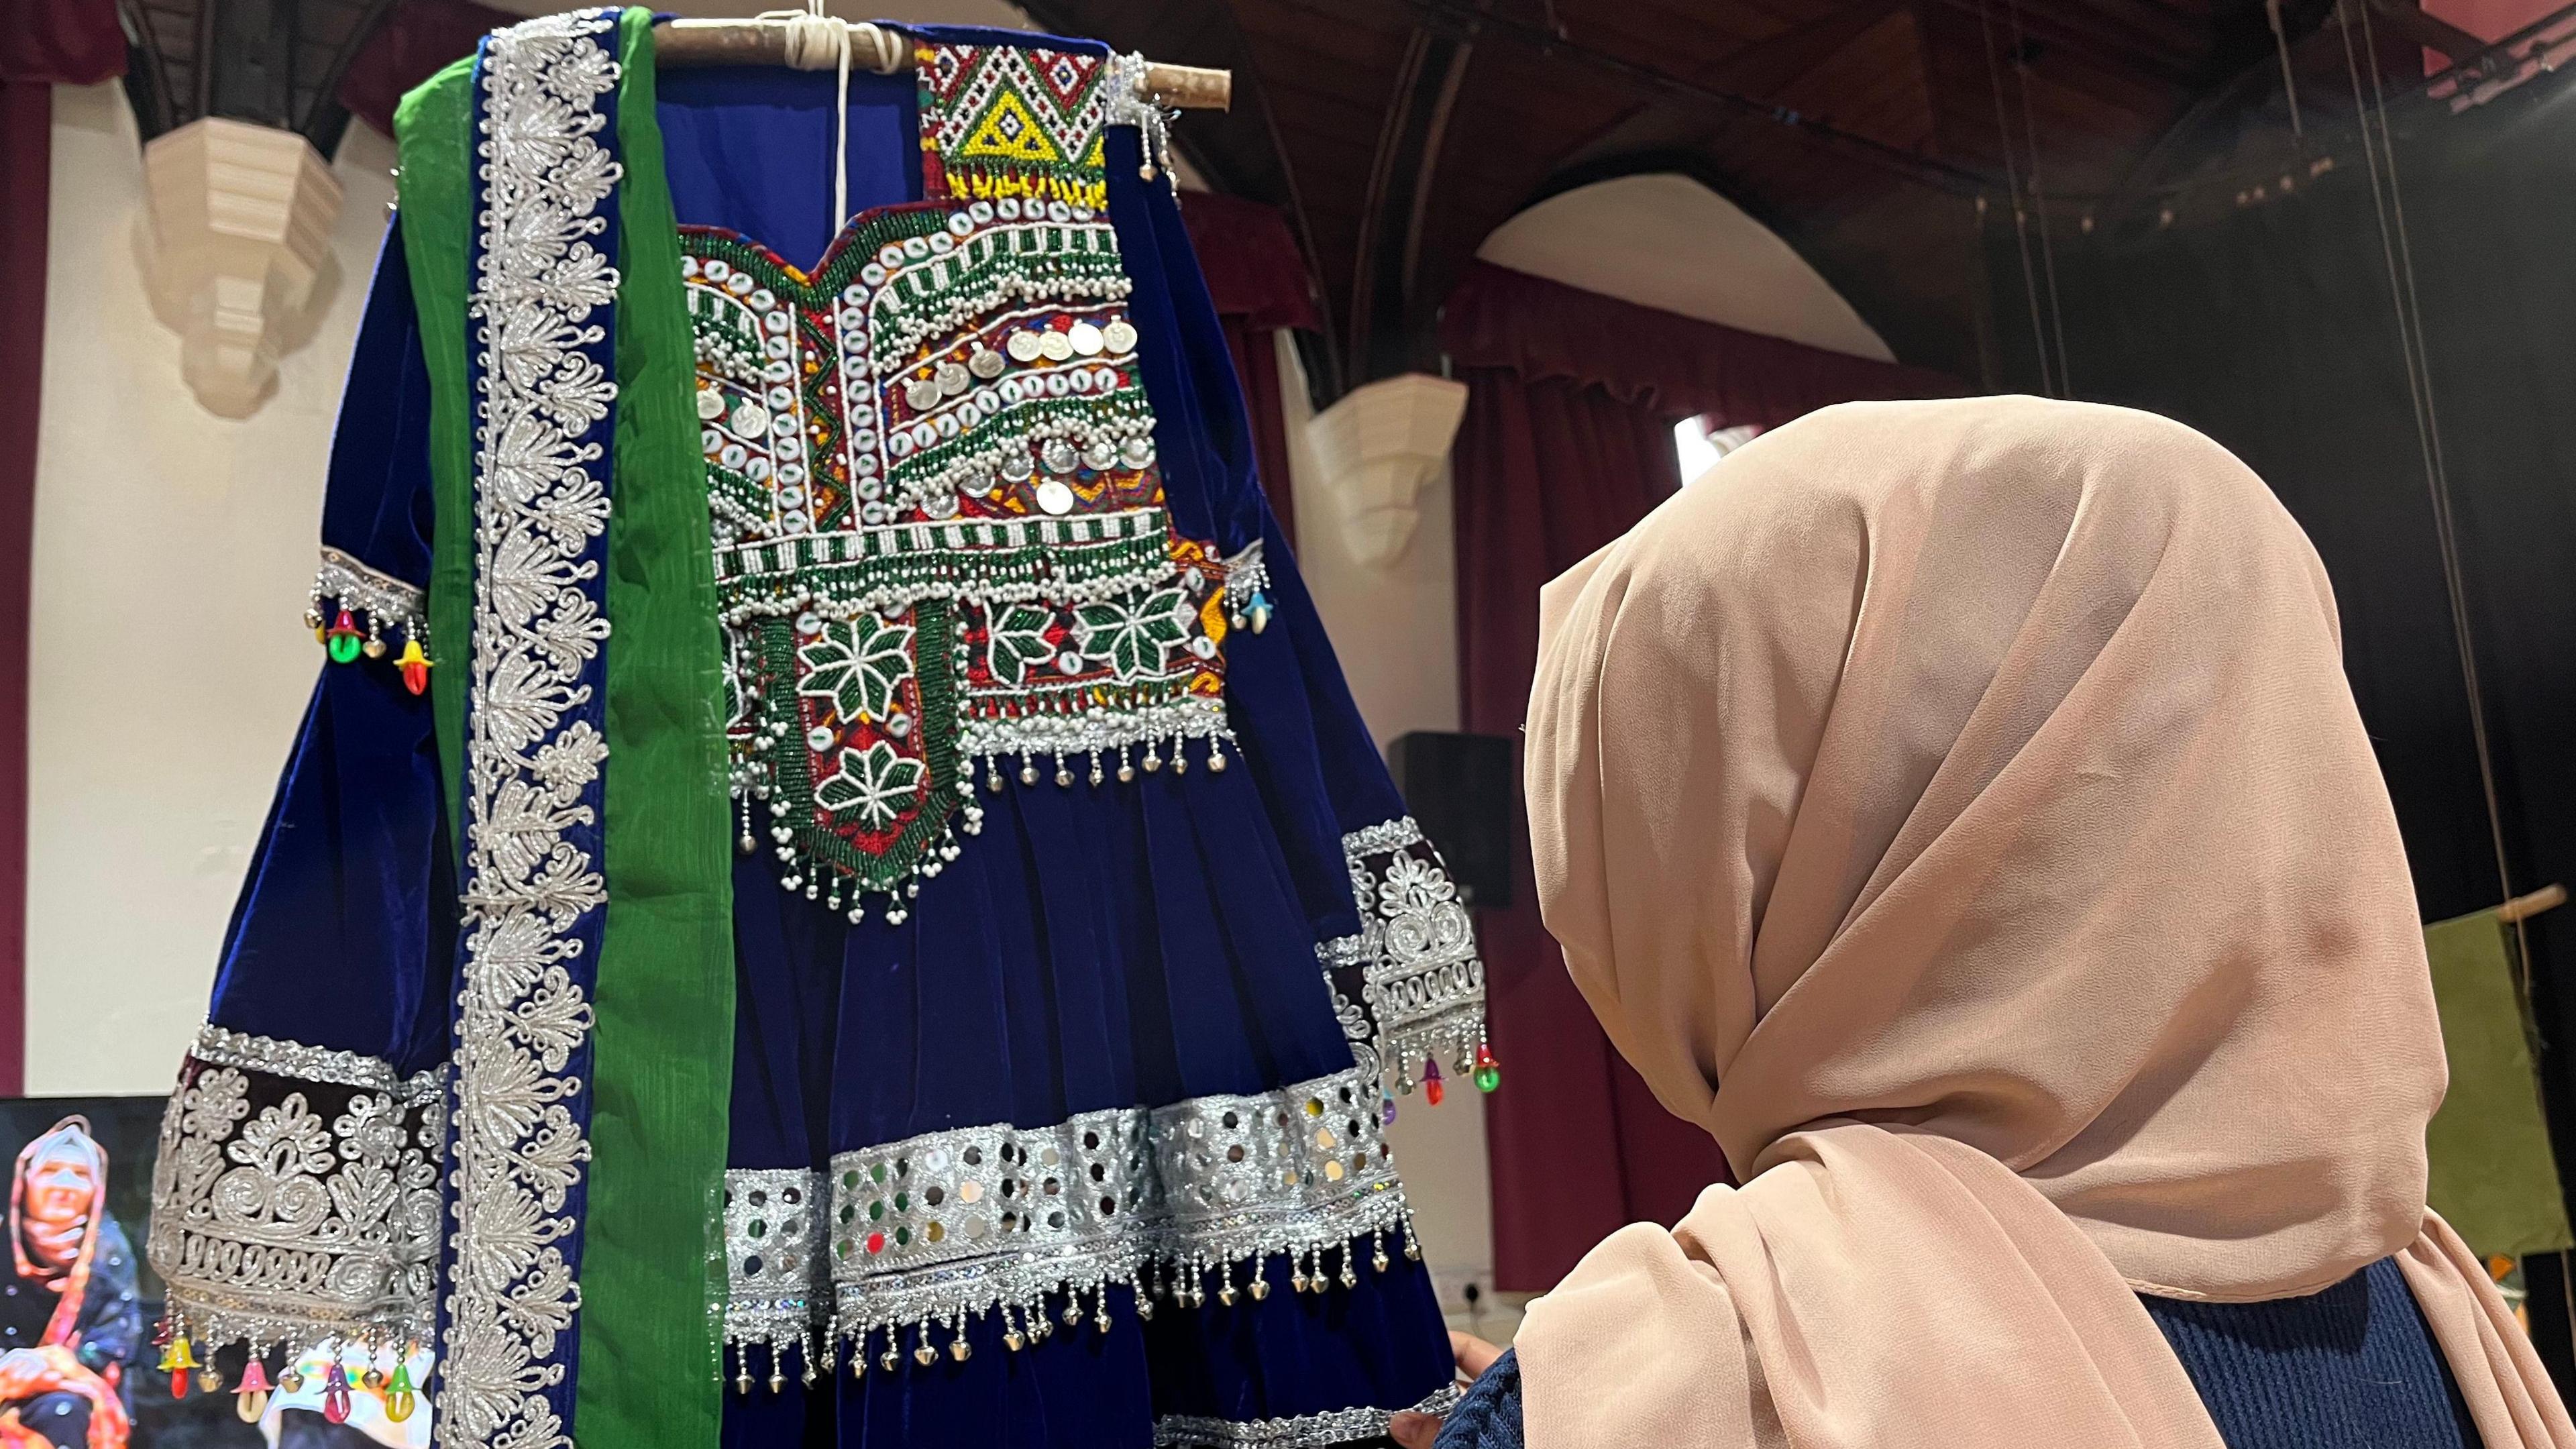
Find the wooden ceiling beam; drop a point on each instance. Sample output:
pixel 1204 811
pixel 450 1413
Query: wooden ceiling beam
pixel 2083 32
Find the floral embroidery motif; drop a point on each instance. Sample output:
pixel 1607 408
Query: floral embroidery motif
pixel 535 748
pixel 941 538
pixel 294 1205
pixel 1409 988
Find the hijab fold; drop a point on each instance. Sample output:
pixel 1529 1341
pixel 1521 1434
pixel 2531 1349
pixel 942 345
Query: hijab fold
pixel 1958 809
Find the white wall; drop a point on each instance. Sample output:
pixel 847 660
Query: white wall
pixel 1395 628
pixel 173 551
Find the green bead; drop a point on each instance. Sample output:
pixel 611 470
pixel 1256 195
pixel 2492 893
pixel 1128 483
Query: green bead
pixel 344 647
pixel 1488 1078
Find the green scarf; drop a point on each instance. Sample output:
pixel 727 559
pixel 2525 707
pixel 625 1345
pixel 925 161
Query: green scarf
pixel 662 1068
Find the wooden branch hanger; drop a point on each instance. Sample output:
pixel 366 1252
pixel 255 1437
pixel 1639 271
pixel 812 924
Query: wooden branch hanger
pixel 2523 908
pixel 884 50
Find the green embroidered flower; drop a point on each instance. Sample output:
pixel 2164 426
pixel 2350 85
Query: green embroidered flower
pixel 857 665
pixel 877 787
pixel 1019 640
pixel 1132 633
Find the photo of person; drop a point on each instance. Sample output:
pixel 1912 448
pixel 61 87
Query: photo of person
pixel 71 1322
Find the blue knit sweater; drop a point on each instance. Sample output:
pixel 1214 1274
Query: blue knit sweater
pixel 2353 1367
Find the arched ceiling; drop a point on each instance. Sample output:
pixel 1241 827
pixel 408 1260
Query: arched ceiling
pixel 1667 242
pixel 1398 134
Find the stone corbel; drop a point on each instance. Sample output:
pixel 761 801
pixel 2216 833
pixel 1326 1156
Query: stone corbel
pixel 1377 448
pixel 235 239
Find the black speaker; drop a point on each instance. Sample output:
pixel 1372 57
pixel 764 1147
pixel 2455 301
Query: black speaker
pixel 1466 795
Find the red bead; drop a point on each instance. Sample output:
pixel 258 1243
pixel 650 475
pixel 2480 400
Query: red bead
pixel 1434 1090
pixel 876 1242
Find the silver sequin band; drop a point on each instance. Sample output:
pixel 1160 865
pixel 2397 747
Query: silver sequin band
pixel 1173 1202
pixel 775 1276
pixel 1302 1431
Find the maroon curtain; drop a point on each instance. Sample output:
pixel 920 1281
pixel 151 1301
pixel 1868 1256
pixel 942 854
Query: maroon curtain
pixel 1567 441
pixel 43 43
pixel 1259 283
pixel 414 43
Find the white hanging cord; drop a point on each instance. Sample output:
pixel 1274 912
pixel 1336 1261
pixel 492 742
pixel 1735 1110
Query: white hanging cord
pixel 815 40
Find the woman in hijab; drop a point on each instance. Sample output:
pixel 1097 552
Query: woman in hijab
pixel 1958 810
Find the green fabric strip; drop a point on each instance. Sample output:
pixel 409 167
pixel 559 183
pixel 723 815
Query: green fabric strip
pixel 662 1078
pixel 434 127
pixel 2494 1177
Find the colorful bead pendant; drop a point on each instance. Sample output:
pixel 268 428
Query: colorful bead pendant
pixel 178 1361
pixel 335 1394
pixel 250 1397
pixel 1489 1072
pixel 400 1395
pixel 414 666
pixel 1432 1087
pixel 343 639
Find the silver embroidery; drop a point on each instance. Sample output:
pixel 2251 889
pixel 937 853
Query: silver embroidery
pixel 540 501
pixel 936 1228
pixel 1302 1431
pixel 776 1278
pixel 220 1047
pixel 1419 986
pixel 1246 579
pixel 382 597
pixel 289 1209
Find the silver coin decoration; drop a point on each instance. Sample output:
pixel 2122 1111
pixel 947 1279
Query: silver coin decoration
pixel 1055 498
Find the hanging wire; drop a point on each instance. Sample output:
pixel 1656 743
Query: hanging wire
pixel 2039 199
pixel 2388 202
pixel 2021 219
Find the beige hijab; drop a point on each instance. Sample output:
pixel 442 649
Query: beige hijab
pixel 1959 810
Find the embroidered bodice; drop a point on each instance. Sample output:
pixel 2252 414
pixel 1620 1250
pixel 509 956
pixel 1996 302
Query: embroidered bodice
pixel 940 534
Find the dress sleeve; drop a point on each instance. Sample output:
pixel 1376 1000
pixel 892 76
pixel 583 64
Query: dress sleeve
pixel 296 1194
pixel 1393 937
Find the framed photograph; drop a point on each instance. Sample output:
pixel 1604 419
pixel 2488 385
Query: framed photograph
pixel 79 1364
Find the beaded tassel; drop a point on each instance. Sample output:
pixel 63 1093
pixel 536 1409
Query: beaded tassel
pixel 250 1397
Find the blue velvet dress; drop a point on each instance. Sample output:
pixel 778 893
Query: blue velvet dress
pixel 2352 1367
pixel 1124 1040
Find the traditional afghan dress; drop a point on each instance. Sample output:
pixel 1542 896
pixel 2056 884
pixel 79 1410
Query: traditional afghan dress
pixel 833 892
